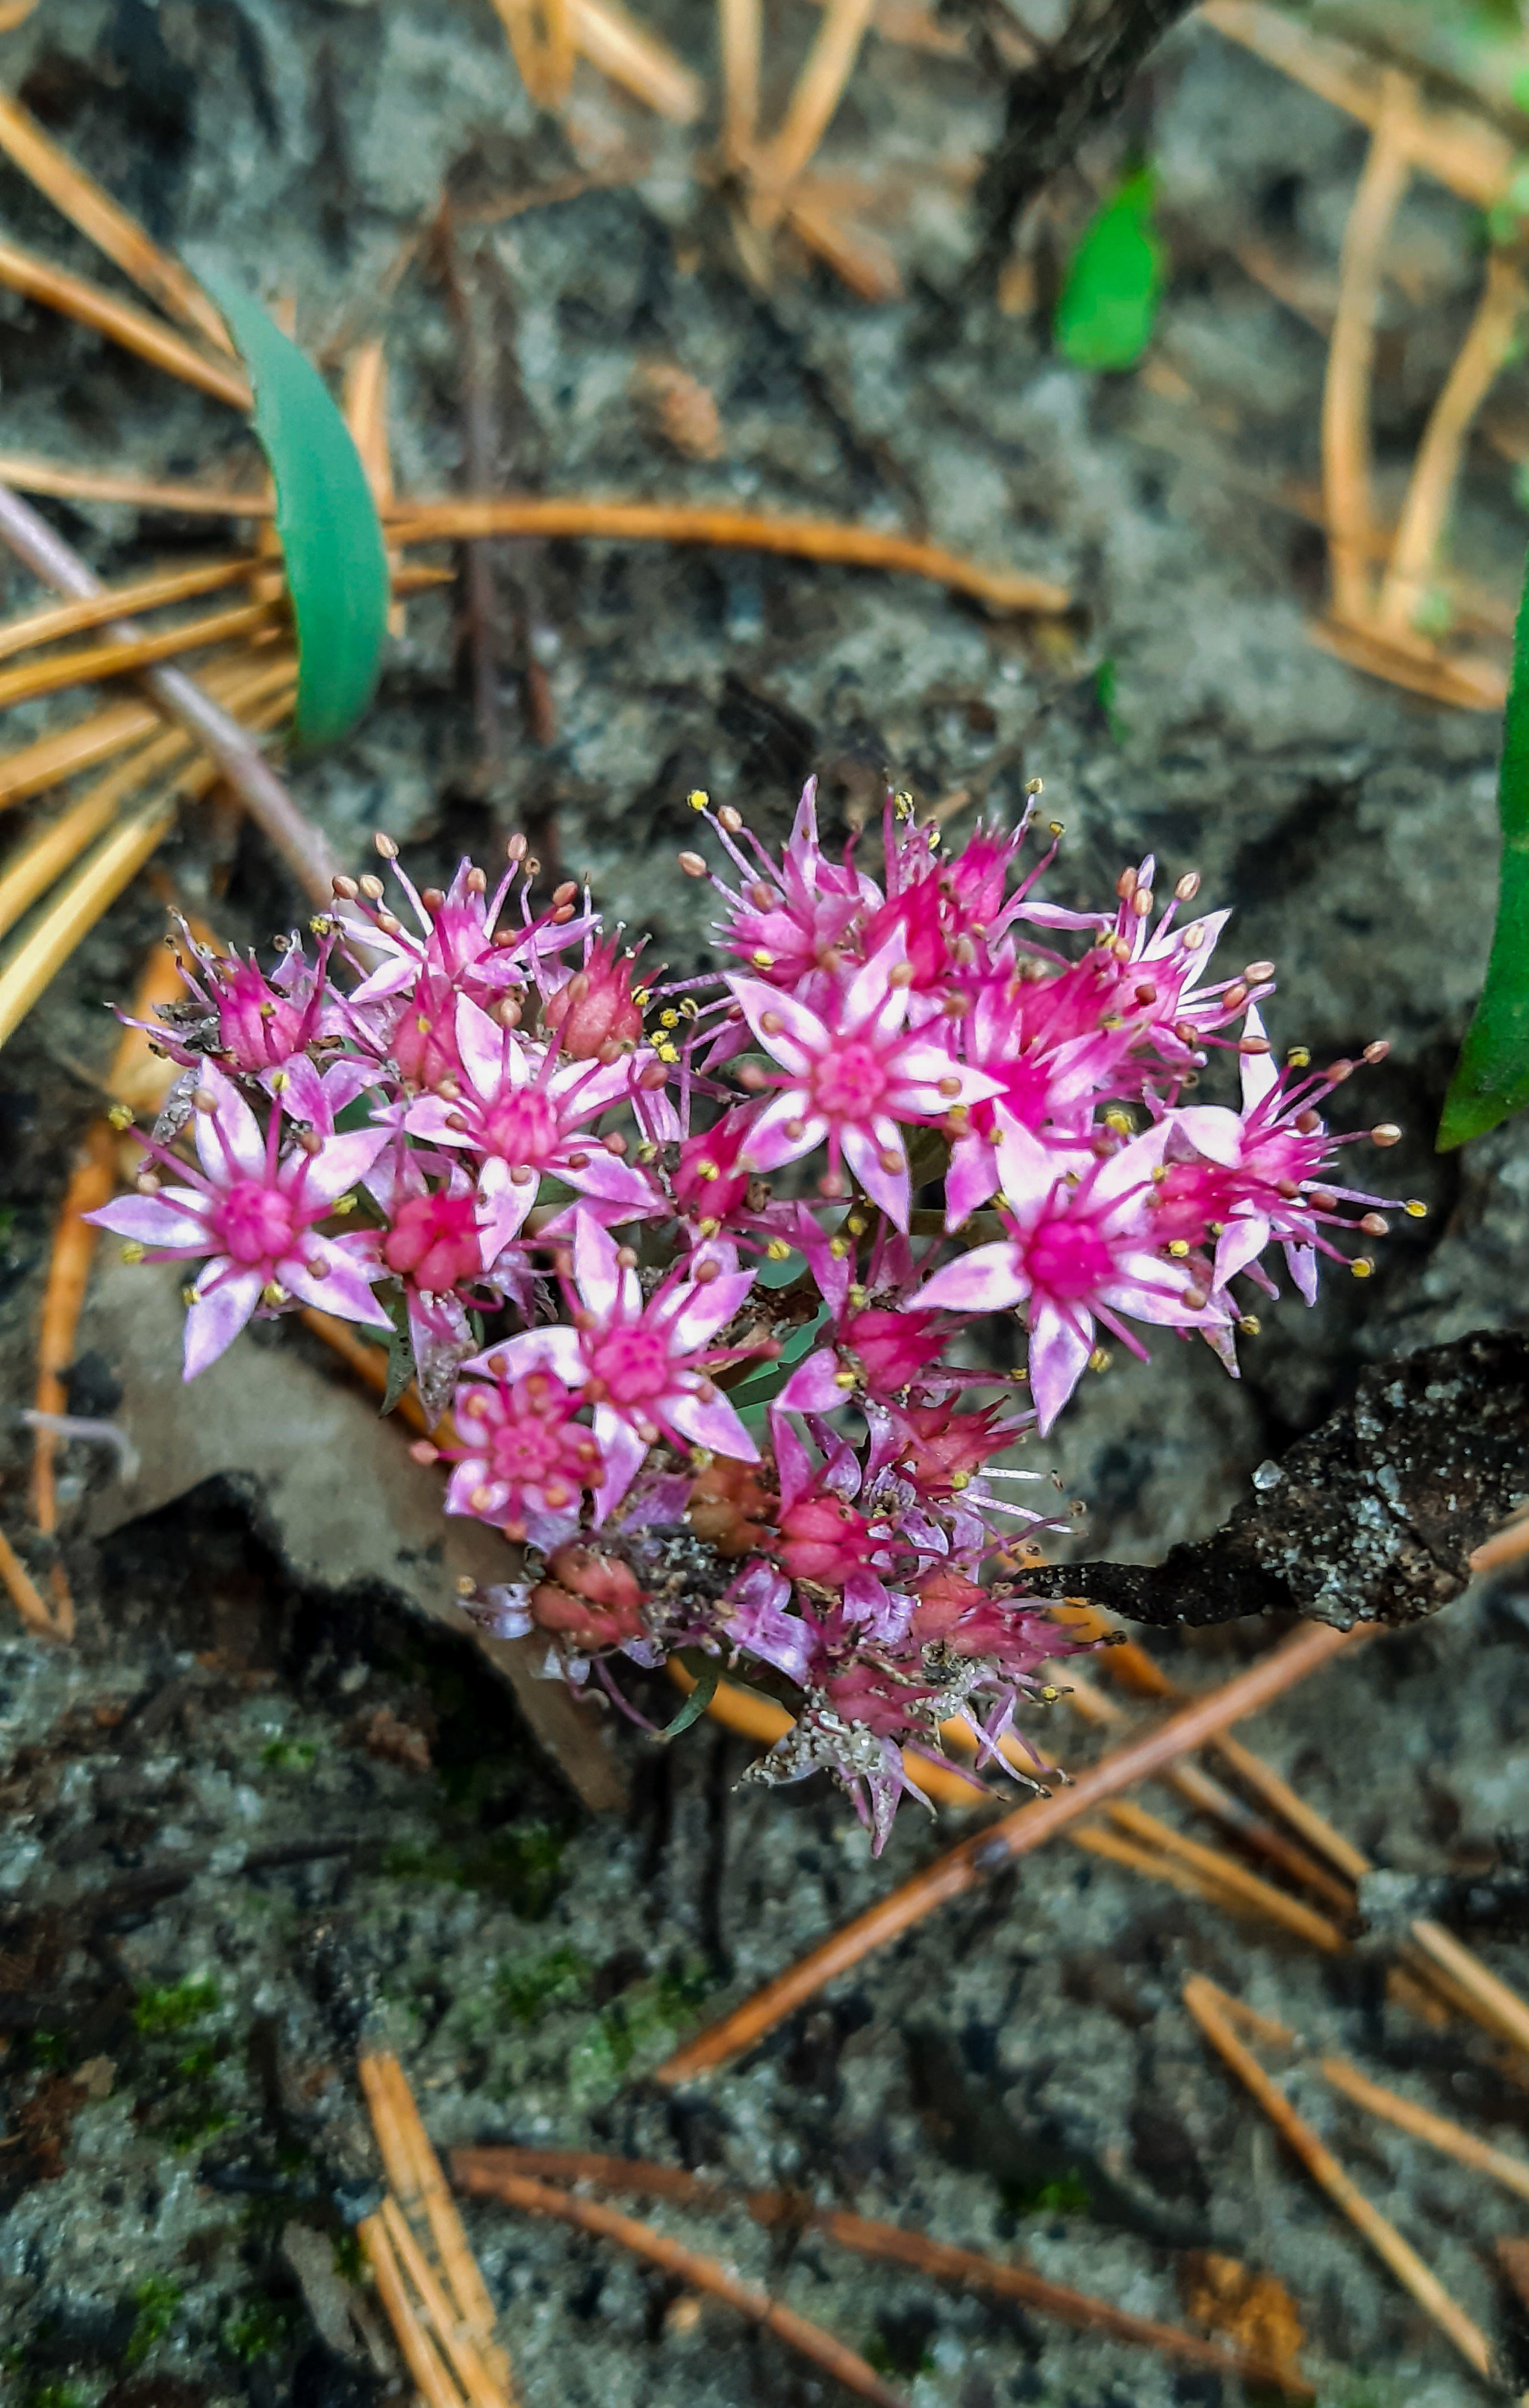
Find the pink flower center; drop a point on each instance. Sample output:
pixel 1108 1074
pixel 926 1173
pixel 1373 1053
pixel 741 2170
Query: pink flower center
pixel 257 1224
pixel 520 1127
pixel 1068 1259
pixel 521 1451
pixel 849 1083
pixel 634 1365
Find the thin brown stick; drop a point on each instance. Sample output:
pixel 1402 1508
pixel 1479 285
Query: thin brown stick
pixel 988 1852
pixel 860 259
pixel 88 664
pixel 106 223
pixel 1208 1796
pixel 701 2274
pixel 90 1185
pixel 32 769
pixel 60 619
pixel 25 1593
pixel 302 846
pixel 634 57
pixel 92 305
pixel 816 95
pixel 1435 468
pixel 1494 2002
pixel 738 29
pixel 1458 148
pixel 1509 1545
pixel 1206 2004
pixel 1346 394
pixel 1437 2130
pixel 1259 1894
pixel 477 2169
pixel 369 1363
pixel 821 539
pixel 30 474
pixel 1096 1840
pixel 436 2385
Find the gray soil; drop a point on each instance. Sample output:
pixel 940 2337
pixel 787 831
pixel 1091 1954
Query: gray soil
pixel 266 1804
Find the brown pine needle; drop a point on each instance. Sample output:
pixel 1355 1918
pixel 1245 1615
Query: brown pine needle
pixel 760 1719
pixel 1096 1840
pixel 29 474
pixel 962 1868
pixel 820 539
pixel 1437 467
pixel 90 1185
pixel 1200 1790
pixel 1346 394
pixel 818 90
pixel 302 846
pixel 740 34
pixel 697 2272
pixel 92 305
pixel 1493 2002
pixel 466 2364
pixel 635 58
pixel 25 1593
pixel 1282 1800
pixel 88 664
pixel 1234 1878
pixel 1207 2005
pixel 1509 1545
pixel 858 259
pixel 414 2173
pixel 1458 148
pixel 478 2169
pixel 34 767
pixel 1437 2130
pixel 103 221
pixel 436 2386
pixel 369 1363
pixel 60 619
pixel 93 888
pixel 1468 684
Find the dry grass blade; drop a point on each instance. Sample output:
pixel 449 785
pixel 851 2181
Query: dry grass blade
pixel 630 55
pixel 153 592
pixel 966 2267
pixel 103 221
pixel 820 539
pixel 92 305
pixel 301 845
pixel 91 1184
pixel 25 1593
pixel 414 2173
pixel 34 767
pixel 41 861
pixel 988 1852
pixel 466 2364
pixel 94 887
pixel 1509 1545
pixel 1207 2005
pixel 1437 467
pixel 1437 2130
pixel 30 475
pixel 88 664
pixel 1346 394
pixel 1200 1790
pixel 1493 2002
pixel 1096 1840
pixel 700 2273
pixel 857 258
pixel 1456 147
pixel 1282 1800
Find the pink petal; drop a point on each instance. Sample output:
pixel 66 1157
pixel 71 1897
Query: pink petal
pixel 623 1452
pixel 224 1301
pixel 1260 1072
pixel 554 1349
pixel 470 1473
pixel 1059 1356
pixel 509 1202
pixel 972 1177
pixel 160 1220
pixel 341 1290
pixel 230 1129
pixel 431 1117
pixel 814 1385
pixel 706 1309
pixel 1212 1130
pixel 1241 1242
pixel 597 1275
pixel 985 1281
pixel 862 1151
pixel 768 1141
pixel 481 1045
pixel 342 1163
pixel 1027 1169
pixel 613 1181
pixel 1302 1263
pixel 714 1425
pixel 802 1036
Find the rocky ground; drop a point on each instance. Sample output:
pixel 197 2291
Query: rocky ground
pixel 265 1804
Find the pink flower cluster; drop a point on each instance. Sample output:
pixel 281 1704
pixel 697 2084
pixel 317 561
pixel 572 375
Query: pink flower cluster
pixel 686 1276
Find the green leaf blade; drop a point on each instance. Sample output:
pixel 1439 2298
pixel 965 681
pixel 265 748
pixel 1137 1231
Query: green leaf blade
pixel 1490 1079
pixel 1108 304
pixel 326 522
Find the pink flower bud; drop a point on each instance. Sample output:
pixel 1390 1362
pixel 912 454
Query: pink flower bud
pixel 824 1539
pixel 434 1240
pixel 596 1007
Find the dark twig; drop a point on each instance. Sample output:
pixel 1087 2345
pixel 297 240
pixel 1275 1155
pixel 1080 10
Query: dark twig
pixel 1058 100
pixel 479 603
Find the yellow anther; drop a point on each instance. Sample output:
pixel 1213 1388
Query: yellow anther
pixel 697 798
pixel 778 1250
pixel 132 1252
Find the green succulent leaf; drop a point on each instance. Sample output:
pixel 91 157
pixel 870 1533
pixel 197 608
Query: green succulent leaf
pixel 1109 303
pixel 1491 1077
pixel 326 522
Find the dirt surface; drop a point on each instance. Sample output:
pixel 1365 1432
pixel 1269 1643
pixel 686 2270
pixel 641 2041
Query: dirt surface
pixel 264 1805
